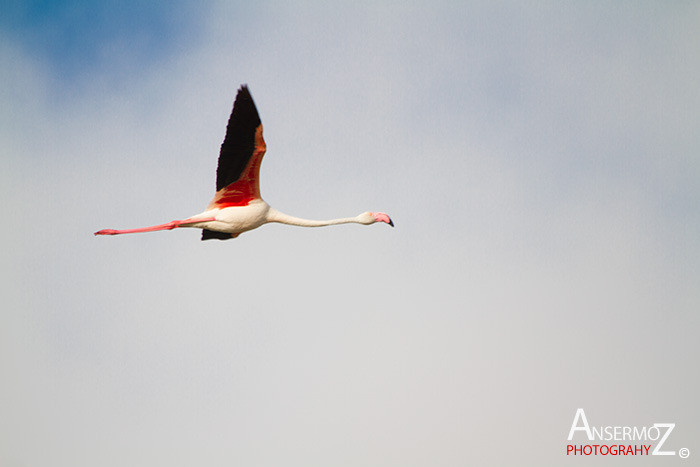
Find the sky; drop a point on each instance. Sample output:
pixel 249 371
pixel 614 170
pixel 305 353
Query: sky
pixel 540 163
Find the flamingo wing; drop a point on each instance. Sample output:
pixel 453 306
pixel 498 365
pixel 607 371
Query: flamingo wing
pixel 238 172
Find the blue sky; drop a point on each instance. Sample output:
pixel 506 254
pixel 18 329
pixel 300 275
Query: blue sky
pixel 539 160
pixel 75 38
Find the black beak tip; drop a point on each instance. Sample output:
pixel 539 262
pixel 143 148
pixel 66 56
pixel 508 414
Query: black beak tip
pixel 391 223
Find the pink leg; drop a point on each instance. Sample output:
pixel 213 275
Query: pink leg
pixel 169 226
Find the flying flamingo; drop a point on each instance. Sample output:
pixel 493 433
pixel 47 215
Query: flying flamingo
pixel 237 206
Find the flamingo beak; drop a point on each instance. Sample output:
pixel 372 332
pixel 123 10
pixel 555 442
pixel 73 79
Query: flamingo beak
pixel 381 217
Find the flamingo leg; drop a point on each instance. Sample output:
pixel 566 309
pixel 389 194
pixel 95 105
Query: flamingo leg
pixel 168 226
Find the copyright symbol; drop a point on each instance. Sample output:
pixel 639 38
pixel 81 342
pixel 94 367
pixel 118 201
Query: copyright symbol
pixel 683 453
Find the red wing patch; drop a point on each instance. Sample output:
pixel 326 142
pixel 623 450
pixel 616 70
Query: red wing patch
pixel 247 187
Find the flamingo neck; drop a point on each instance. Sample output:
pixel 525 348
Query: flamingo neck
pixel 274 215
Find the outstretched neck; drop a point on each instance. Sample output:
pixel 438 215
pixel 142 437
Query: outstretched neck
pixel 274 215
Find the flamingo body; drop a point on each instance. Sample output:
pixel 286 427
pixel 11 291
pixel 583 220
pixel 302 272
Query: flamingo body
pixel 234 220
pixel 237 205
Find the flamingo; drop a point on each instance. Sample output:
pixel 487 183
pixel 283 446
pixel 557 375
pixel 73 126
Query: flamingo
pixel 237 206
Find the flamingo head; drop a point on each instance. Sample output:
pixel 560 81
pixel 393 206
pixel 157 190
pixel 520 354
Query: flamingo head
pixel 372 217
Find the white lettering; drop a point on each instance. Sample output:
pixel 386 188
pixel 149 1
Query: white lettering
pixel 574 427
pixel 658 433
pixel 656 451
pixel 597 432
pixel 617 433
pixel 608 433
pixel 640 434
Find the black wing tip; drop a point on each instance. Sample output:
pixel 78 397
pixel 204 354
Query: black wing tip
pixel 239 143
pixel 244 90
pixel 214 235
pixel 243 93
